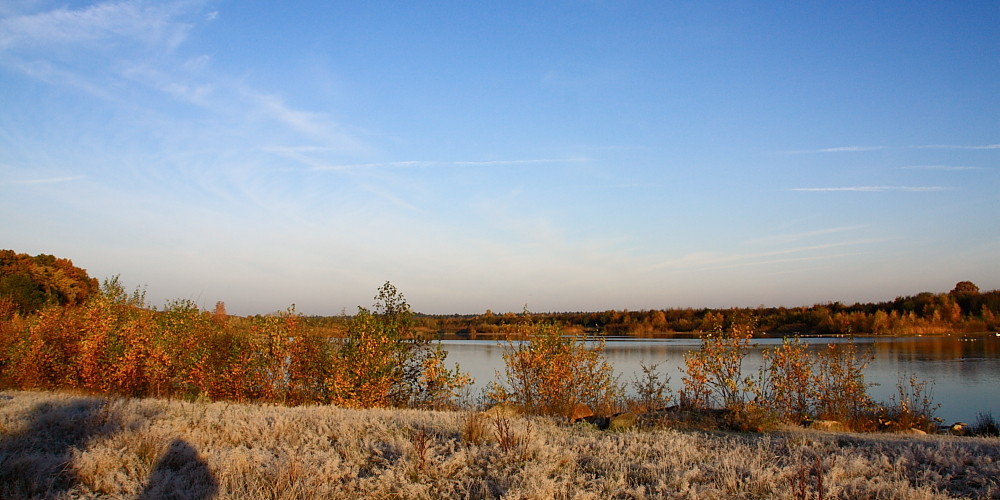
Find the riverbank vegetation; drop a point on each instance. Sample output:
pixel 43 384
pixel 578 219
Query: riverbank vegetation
pixel 104 339
pixel 114 343
pixel 63 445
pixel 549 429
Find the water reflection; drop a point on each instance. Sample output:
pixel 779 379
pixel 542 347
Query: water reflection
pixel 965 371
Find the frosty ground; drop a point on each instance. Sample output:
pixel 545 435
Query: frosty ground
pixel 63 445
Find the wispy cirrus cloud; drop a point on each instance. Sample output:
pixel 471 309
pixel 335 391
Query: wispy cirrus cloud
pixel 154 23
pixel 859 149
pixel 791 237
pixel 873 189
pixel 941 167
pixel 521 162
pixel 366 166
pixel 101 49
pixel 840 149
pixel 955 146
pixel 424 163
pixel 312 124
pixel 785 260
pixel 706 261
pixel 45 180
pixel 119 51
pixel 622 185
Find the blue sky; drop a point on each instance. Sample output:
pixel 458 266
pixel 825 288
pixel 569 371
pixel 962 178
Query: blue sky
pixel 561 155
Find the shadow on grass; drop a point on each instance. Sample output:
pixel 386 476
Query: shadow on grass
pixel 36 462
pixel 181 474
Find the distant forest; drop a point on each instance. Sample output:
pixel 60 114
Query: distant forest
pixel 31 283
pixel 965 309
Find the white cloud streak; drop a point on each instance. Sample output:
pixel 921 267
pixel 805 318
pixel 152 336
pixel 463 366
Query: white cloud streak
pixel 520 162
pixel 144 37
pixel 424 163
pixel 790 237
pixel 841 149
pixel 956 146
pixel 706 261
pixel 859 149
pixel 47 180
pixel 782 261
pixel 873 189
pixel 940 167
pixel 150 23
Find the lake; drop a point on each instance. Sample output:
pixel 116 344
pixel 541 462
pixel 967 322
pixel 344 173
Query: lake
pixel 963 371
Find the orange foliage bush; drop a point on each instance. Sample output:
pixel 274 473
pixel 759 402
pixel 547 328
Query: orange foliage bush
pixel 842 393
pixel 114 343
pixel 793 380
pixel 385 362
pixel 714 373
pixel 549 374
pixel 793 384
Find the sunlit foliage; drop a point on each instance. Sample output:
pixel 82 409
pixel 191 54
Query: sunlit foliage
pixel 113 342
pixel 27 284
pixel 793 384
pixel 550 373
pixel 713 374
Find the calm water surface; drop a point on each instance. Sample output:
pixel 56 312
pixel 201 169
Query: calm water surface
pixel 964 371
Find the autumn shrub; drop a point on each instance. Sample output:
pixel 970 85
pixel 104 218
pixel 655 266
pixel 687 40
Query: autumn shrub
pixel 10 332
pixel 652 389
pixel 311 365
pixel 114 343
pixel 829 384
pixel 713 375
pixel 272 336
pixel 793 384
pixel 842 392
pixel 549 374
pixel 383 361
pixel 792 380
pixel 912 407
pixel 118 352
pixel 99 345
pixel 187 336
pixel 43 354
pixel 246 359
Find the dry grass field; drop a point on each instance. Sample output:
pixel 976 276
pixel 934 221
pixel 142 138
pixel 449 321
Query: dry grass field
pixel 58 445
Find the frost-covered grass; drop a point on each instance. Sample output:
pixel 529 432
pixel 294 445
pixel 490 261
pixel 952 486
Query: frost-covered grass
pixel 56 445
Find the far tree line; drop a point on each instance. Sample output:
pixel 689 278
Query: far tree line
pixel 964 309
pixel 30 283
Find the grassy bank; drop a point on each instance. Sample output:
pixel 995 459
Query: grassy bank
pixel 58 445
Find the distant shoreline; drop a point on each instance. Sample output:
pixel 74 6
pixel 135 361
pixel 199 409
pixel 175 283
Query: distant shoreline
pixel 491 337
